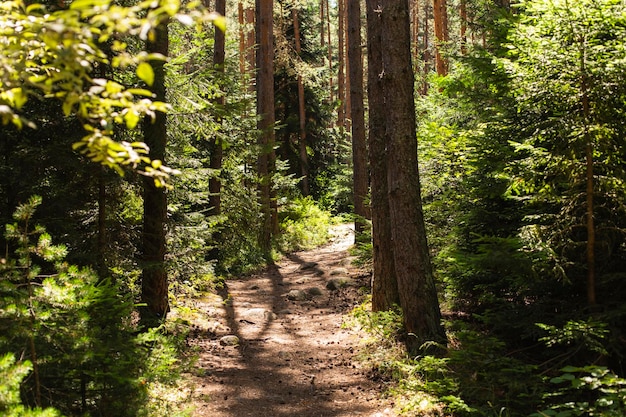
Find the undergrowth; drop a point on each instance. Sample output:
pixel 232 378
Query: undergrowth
pixel 480 376
pixel 304 225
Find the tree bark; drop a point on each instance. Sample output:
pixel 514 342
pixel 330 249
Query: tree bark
pixel 416 285
pixel 341 81
pixel 154 283
pixel 219 55
pixel 330 54
pixel 265 112
pixel 425 45
pixel 440 14
pixel 357 117
pixel 384 285
pixel 463 16
pixel 304 162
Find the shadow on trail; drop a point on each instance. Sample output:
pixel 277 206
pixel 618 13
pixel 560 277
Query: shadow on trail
pixel 277 372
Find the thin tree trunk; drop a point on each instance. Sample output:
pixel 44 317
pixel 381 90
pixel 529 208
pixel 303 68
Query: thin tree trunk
pixel 384 284
pixel 426 41
pixel 341 83
pixel 330 54
pixel 242 39
pixel 418 295
pixel 219 55
pixel 415 5
pixel 265 112
pixel 441 35
pixel 591 229
pixel 463 15
pixel 102 234
pixel 304 162
pixel 322 23
pixel 357 117
pixel 154 283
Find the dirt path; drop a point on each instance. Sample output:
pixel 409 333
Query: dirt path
pixel 293 357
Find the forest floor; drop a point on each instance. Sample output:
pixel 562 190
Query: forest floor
pixel 272 344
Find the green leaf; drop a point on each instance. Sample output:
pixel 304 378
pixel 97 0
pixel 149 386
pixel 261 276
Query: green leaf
pixel 145 73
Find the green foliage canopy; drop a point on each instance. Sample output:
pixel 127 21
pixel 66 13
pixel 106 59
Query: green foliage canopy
pixel 54 55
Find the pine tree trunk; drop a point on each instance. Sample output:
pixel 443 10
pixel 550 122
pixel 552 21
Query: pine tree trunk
pixel 416 285
pixel 357 117
pixel 384 285
pixel 242 39
pixel 591 228
pixel 322 23
pixel 265 112
pixel 330 55
pixel 219 55
pixel 463 16
pixel 441 34
pixel 341 81
pixel 154 285
pixel 426 48
pixel 304 162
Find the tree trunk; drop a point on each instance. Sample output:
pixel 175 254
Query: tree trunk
pixel 418 295
pixel 304 162
pixel 219 55
pixel 330 54
pixel 357 117
pixel 463 16
pixel 341 81
pixel 384 285
pixel 322 23
pixel 242 39
pixel 265 112
pixel 426 48
pixel 591 229
pixel 154 285
pixel 440 14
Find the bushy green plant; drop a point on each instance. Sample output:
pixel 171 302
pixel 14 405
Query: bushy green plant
pixel 304 225
pixel 75 328
pixel 585 391
pixel 11 376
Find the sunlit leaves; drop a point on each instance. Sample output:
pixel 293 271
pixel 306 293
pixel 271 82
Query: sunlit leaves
pixel 145 73
pixel 52 55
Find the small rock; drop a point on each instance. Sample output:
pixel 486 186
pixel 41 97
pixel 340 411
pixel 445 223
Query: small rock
pixel 308 265
pixel 258 314
pixel 229 340
pixel 314 291
pixel 296 295
pixel 336 283
pixel 302 280
pixel 339 271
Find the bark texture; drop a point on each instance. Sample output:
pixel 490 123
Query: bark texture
pixel 418 295
pixel 304 160
pixel 265 111
pixel 357 116
pixel 384 285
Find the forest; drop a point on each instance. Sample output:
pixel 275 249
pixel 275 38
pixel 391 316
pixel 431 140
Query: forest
pixel 152 151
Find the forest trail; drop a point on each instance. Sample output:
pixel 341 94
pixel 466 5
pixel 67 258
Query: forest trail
pixel 293 357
